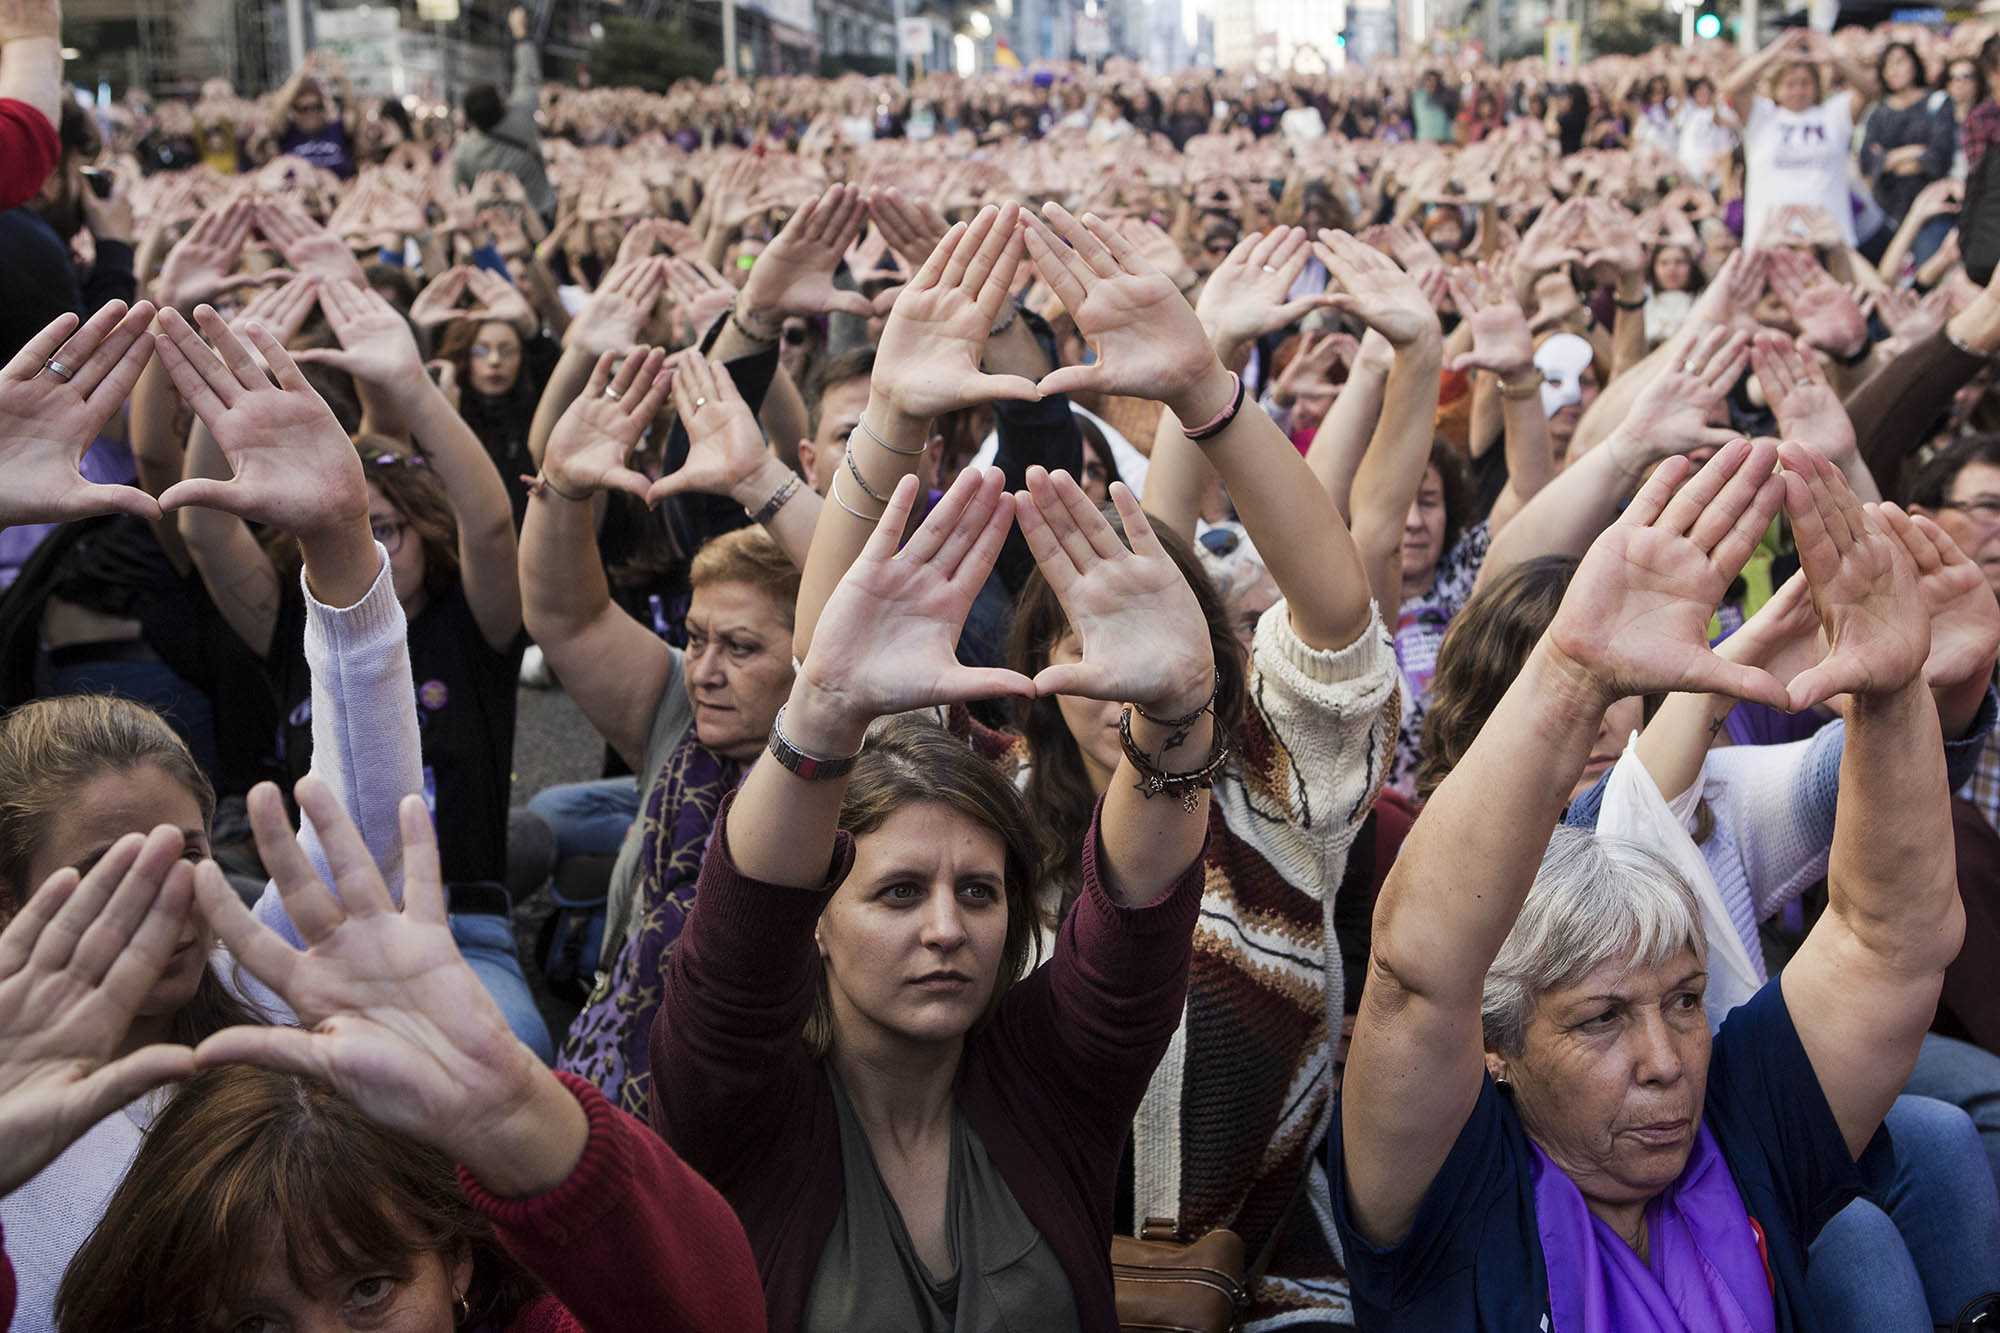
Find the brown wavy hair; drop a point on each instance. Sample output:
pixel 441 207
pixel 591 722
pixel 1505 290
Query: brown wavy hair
pixel 911 760
pixel 243 1154
pixel 1058 788
pixel 52 748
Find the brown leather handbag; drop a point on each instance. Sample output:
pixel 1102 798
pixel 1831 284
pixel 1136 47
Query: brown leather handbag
pixel 1168 1284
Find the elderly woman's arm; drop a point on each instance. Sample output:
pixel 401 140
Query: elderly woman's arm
pixel 1864 987
pixel 1634 621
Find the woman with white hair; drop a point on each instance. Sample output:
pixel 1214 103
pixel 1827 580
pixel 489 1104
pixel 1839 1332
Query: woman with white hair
pixel 1536 1128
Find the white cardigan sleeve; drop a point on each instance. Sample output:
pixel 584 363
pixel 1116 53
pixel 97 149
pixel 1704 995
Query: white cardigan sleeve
pixel 364 723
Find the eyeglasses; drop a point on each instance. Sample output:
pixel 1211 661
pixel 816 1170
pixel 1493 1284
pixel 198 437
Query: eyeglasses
pixel 494 352
pixel 1962 74
pixel 390 533
pixel 1981 509
pixel 309 108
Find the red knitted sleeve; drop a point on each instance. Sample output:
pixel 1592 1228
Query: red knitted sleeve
pixel 28 153
pixel 633 1240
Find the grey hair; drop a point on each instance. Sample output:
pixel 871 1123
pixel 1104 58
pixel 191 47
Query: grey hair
pixel 1593 900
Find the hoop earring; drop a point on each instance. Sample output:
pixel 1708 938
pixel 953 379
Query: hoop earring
pixel 462 1310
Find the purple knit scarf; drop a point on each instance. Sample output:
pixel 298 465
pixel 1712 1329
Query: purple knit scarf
pixel 1706 1273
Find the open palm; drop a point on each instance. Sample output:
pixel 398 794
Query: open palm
pixel 1636 615
pixel 47 423
pixel 1807 408
pixel 1375 290
pixel 1671 413
pixel 617 311
pixel 391 1015
pixel 375 343
pixel 1965 617
pixel 1144 638
pixel 1863 583
pixel 928 360
pixel 1245 297
pixel 295 468
pixel 725 445
pixel 887 641
pixel 598 432
pixel 76 962
pixel 794 275
pixel 1148 339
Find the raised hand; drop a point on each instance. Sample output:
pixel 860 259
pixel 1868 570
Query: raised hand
pixel 927 363
pixel 886 642
pixel 1864 585
pixel 1807 408
pixel 1617 252
pixel 1144 638
pixel 1826 312
pixel 1148 339
pixel 375 343
pixel 794 275
pixel 912 227
pixel 1501 341
pixel 307 246
pixel 698 292
pixel 282 310
pixel 295 468
pixel 619 310
pixel 438 303
pixel 76 963
pixel 598 432
pixel 1160 250
pixel 1375 290
pixel 1965 617
pixel 48 421
pixel 1635 619
pixel 391 1016
pixel 201 264
pixel 500 300
pixel 1731 297
pixel 725 445
pixel 1670 415
pixel 1550 244
pixel 1244 298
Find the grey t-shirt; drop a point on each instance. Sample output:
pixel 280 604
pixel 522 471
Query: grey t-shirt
pixel 1006 1277
pixel 671 721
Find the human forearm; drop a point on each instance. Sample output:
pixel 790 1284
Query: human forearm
pixel 791 526
pixel 1177 476
pixel 1628 333
pixel 839 535
pixel 31 72
pixel 1894 407
pixel 1148 843
pixel 1392 471
pixel 784 418
pixel 1342 439
pixel 1531 463
pixel 1567 515
pixel 565 385
pixel 781 827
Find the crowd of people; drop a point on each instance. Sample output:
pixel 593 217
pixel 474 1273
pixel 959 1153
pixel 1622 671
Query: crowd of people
pixel 1398 663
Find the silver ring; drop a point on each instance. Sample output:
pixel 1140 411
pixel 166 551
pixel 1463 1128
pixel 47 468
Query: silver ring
pixel 59 370
pixel 611 393
pixel 1269 269
pixel 1687 367
pixel 701 402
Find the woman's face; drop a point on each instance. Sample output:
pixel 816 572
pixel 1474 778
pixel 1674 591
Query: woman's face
pixel 133 800
pixel 1092 723
pixel 495 359
pixel 1610 1077
pixel 1096 479
pixel 1899 71
pixel 738 666
pixel 1423 534
pixel 421 1301
pixel 1963 82
pixel 1798 88
pixel 1671 270
pixel 913 937
pixel 407 565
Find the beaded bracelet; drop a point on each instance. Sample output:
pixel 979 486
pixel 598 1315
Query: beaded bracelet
pixel 1222 419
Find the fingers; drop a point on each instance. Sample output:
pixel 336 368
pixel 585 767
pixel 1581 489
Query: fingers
pixel 968 247
pixel 1651 500
pixel 65 928
pixel 79 349
pixel 124 1080
pixel 287 1050
pixel 1818 556
pixel 881 544
pixel 108 379
pixel 142 958
pixel 1062 271
pixel 932 270
pixel 230 350
pixel 283 369
pixel 600 376
pixel 1120 246
pixel 1138 528
pixel 1082 242
pixel 1948 550
pixel 312 908
pixel 1693 499
pixel 1711 674
pixel 1732 550
pixel 987 502
pixel 1904 529
pixel 968 488
pixel 423 876
pixel 1724 365
pixel 1003 237
pixel 646 363
pixel 130 904
pixel 29 361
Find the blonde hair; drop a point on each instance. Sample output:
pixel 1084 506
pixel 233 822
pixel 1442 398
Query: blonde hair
pixel 749 555
pixel 50 748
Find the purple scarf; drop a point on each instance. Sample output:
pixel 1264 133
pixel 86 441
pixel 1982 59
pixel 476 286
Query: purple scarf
pixel 608 1042
pixel 1706 1274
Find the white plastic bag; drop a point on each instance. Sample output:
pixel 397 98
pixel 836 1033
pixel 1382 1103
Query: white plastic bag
pixel 1635 811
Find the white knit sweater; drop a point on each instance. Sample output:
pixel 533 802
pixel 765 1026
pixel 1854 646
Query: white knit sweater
pixel 366 747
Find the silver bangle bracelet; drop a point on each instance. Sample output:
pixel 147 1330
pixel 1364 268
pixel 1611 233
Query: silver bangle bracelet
pixel 862 423
pixel 854 469
pixel 833 490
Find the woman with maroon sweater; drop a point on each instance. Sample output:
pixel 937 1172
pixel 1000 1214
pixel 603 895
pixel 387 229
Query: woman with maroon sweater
pixel 319 1190
pixel 914 1134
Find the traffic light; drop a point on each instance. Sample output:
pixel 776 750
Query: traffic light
pixel 1708 25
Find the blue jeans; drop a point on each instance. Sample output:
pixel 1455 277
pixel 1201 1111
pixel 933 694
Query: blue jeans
pixel 1968 1077
pixel 486 941
pixel 1923 1243
pixel 589 818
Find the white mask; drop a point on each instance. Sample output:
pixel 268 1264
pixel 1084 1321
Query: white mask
pixel 1562 359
